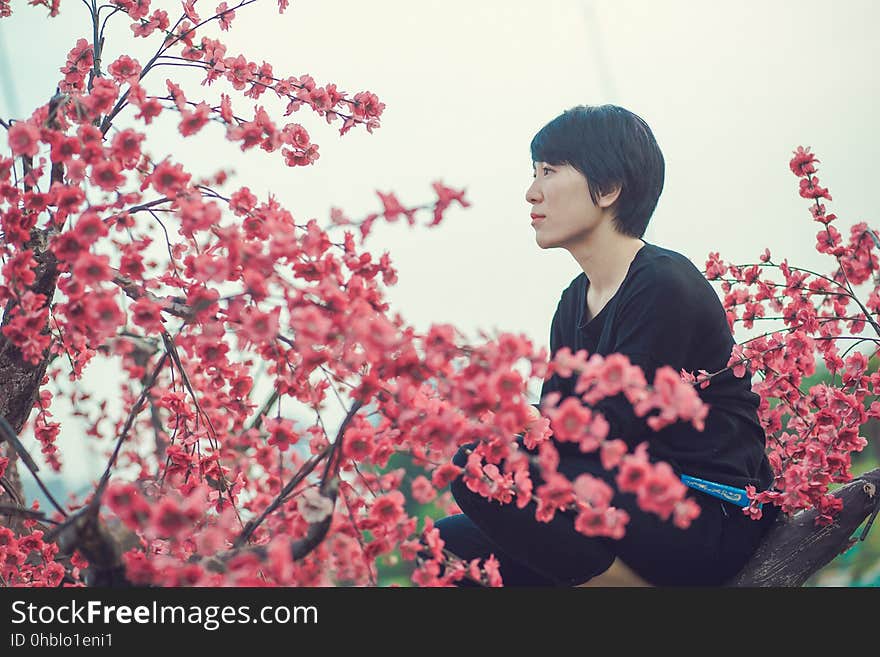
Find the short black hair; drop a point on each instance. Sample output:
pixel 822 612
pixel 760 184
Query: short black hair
pixel 610 146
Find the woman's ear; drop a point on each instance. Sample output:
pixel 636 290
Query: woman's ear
pixel 607 199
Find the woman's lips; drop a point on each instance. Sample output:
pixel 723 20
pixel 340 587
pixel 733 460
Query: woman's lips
pixel 537 219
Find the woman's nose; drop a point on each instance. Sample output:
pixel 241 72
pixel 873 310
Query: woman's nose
pixel 533 193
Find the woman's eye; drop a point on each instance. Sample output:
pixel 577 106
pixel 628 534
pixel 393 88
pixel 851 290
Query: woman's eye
pixel 546 170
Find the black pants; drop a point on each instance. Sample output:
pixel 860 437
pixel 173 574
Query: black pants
pixel 531 553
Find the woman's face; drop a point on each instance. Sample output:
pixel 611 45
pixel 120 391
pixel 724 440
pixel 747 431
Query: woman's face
pixel 563 213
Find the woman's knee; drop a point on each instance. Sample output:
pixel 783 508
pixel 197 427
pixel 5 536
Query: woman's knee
pixel 457 535
pixel 460 537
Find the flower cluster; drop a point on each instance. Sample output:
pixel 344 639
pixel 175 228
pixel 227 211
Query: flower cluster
pixel 812 448
pixel 27 560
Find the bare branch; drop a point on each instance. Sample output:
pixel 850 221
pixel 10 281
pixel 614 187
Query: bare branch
pixel 24 512
pixel 282 496
pixel 9 434
pixel 128 423
pixel 11 490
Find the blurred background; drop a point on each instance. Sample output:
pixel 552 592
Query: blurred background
pixel 729 91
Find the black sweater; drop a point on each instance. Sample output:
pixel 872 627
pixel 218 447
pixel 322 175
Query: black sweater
pixel 665 312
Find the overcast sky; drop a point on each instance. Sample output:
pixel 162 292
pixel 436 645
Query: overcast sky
pixel 729 89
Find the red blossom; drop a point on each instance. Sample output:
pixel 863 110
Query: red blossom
pixel 91 269
pixel 193 121
pixel 281 433
pixel 809 188
pixel 366 105
pixel 444 475
pixel 102 97
pixel 91 144
pixel 258 327
pixel 611 452
pixel 158 21
pixel 592 491
pixel 80 60
pixel 226 109
pixel 147 315
pixel 20 269
pixel 63 148
pixel 445 197
pixel 239 71
pixel 556 493
pixel 190 11
pixel 24 138
pixel 24 329
pixel 686 511
pixel 125 69
pixel 169 520
pixel 107 175
pixel 633 472
pixel 295 135
pixel 168 179
pixel 126 147
pixel 150 108
pixel 423 491
pixel 358 443
pixel 802 163
pixel 225 16
pixel 661 490
pixel 392 207
pixel 388 509
pixel 242 201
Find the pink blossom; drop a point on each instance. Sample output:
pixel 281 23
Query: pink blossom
pixel 23 139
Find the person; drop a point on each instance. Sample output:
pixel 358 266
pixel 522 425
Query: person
pixel 598 174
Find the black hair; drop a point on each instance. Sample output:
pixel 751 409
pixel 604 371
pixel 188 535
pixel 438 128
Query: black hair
pixel 610 146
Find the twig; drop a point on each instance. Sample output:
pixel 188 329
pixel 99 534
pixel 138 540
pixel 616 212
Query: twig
pixel 9 434
pixel 128 422
pixel 360 538
pixel 146 206
pixel 134 291
pixel 305 471
pixel 257 422
pixel 11 490
pixel 23 511
pixel 336 447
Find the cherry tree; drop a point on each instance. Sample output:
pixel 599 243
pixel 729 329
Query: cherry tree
pixel 113 248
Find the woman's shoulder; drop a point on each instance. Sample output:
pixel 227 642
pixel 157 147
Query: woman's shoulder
pixel 665 274
pixel 574 288
pixel 663 266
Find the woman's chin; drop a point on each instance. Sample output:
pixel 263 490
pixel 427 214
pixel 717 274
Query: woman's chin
pixel 543 241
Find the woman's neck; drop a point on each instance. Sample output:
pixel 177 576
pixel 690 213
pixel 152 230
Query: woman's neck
pixel 605 260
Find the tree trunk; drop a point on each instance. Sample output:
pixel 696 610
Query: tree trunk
pixel 20 379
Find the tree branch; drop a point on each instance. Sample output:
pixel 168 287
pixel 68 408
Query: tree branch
pixel 794 548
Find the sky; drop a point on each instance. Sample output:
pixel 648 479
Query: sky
pixel 729 90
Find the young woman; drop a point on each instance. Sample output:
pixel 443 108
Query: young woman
pixel 598 173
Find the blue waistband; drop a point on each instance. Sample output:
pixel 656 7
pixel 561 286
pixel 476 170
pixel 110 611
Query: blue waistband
pixel 730 494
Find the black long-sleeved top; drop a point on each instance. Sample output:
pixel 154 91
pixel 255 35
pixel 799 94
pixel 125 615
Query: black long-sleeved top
pixel 665 312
